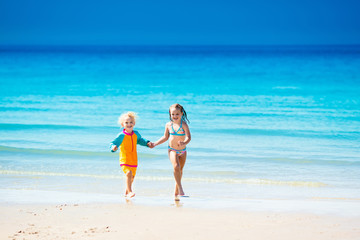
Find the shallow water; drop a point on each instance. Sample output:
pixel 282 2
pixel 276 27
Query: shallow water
pixel 266 123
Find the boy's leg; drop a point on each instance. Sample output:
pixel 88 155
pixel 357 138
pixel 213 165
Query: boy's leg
pixel 129 181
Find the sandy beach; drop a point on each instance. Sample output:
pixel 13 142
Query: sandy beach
pixel 120 221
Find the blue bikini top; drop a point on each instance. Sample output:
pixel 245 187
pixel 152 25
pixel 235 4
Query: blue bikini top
pixel 179 132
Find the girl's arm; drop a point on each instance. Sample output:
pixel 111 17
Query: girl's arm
pixel 163 138
pixel 187 135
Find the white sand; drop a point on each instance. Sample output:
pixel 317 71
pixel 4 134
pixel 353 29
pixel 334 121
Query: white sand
pixel 129 221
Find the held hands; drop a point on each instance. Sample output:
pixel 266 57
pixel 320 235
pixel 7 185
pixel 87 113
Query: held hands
pixel 151 144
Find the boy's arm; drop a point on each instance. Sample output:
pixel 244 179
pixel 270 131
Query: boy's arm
pixel 140 140
pixel 117 141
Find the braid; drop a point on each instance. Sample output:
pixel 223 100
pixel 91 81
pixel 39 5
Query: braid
pixel 182 110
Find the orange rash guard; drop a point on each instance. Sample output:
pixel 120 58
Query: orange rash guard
pixel 127 143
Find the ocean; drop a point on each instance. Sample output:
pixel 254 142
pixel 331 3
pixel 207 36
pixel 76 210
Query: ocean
pixel 268 123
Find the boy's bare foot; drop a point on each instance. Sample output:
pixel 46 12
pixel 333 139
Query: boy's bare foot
pixel 130 195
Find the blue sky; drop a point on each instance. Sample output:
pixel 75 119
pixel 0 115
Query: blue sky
pixel 134 22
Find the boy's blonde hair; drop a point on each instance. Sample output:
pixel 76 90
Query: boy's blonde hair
pixel 125 115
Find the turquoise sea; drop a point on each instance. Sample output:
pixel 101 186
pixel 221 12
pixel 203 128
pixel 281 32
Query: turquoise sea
pixel 270 124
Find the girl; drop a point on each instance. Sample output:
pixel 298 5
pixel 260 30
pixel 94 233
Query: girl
pixel 127 141
pixel 179 138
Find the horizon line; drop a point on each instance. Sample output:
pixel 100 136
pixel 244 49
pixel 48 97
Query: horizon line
pixel 176 45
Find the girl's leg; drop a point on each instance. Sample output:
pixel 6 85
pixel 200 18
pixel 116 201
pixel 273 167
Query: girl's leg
pixel 182 160
pixel 177 172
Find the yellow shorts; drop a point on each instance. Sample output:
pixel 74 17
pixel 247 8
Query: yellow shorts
pixel 127 168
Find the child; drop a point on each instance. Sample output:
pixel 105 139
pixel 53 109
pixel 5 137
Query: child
pixel 177 143
pixel 127 141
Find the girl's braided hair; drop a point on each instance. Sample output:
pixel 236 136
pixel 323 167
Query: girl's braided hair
pixel 181 108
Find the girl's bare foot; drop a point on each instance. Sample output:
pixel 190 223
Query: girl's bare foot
pixel 179 191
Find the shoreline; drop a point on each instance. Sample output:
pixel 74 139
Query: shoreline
pixel 342 207
pixel 115 221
